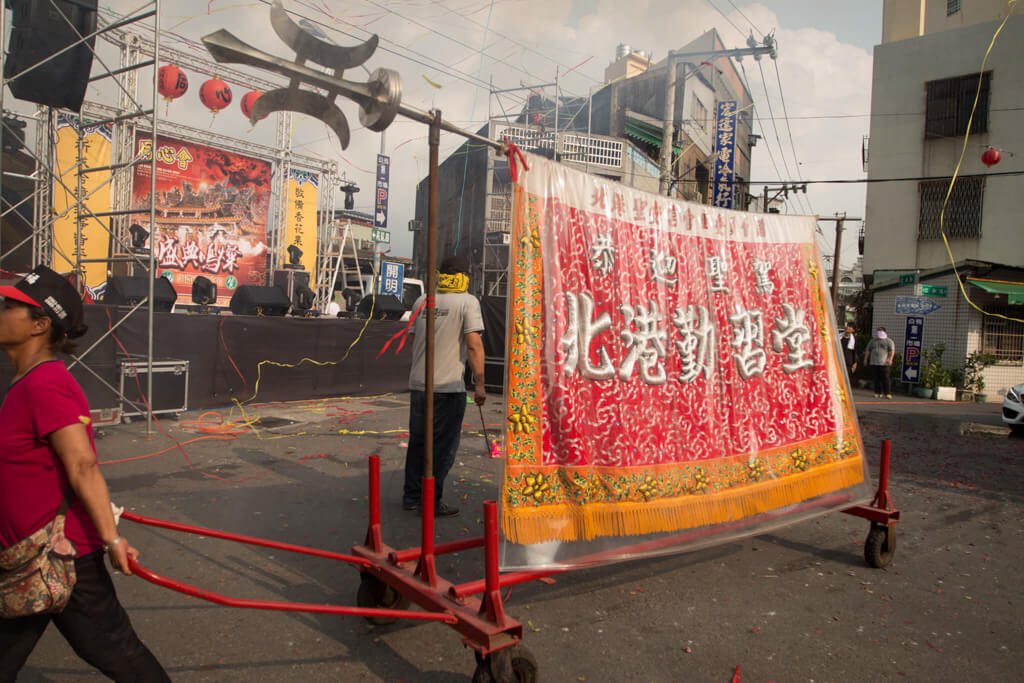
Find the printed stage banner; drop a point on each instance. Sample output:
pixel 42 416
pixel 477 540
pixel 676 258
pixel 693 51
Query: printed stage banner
pixel 211 215
pixel 94 243
pixel 298 248
pixel 673 375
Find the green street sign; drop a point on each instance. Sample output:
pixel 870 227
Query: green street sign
pixel 908 278
pixel 937 291
pixel 381 235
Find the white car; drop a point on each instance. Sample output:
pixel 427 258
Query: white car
pixel 1013 408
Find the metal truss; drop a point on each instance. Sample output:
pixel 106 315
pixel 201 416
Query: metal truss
pixel 140 55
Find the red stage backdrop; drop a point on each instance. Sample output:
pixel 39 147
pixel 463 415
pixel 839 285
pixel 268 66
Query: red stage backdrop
pixel 211 215
pixel 671 366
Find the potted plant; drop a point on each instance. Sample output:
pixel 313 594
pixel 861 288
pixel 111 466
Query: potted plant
pixel 974 373
pixel 934 374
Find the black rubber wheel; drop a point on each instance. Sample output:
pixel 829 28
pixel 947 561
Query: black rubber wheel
pixel 375 593
pixel 875 552
pixel 514 664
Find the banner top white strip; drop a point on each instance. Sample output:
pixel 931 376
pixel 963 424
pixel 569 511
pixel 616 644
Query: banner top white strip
pixel 617 202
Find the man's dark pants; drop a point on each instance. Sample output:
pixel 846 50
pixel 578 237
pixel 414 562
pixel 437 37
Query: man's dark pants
pixel 93 623
pixel 880 378
pixel 449 411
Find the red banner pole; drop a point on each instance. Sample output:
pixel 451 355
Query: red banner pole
pixel 374 541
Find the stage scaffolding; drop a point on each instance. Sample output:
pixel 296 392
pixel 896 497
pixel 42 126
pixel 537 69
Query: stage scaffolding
pixel 136 37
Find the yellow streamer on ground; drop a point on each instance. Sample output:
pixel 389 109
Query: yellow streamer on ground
pixel 252 425
pixel 963 150
pixel 364 432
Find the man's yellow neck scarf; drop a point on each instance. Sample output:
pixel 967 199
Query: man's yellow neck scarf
pixel 452 282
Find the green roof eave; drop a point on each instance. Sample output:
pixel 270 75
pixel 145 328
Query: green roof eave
pixel 1013 290
pixel 646 132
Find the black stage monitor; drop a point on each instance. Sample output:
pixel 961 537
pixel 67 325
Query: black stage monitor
pixel 123 290
pixel 385 307
pixel 253 300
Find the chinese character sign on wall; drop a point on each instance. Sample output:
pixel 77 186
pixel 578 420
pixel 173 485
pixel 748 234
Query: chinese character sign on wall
pixel 69 247
pixel 725 161
pixel 211 214
pixel 299 246
pixel 672 366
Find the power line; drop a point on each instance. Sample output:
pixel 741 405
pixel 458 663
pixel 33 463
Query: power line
pixel 726 17
pixel 789 130
pixel 775 127
pixel 448 71
pixel 524 46
pixel 752 25
pixel 760 126
pixel 854 181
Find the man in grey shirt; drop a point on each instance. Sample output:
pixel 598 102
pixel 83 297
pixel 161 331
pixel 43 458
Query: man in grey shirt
pixel 457 327
pixel 879 354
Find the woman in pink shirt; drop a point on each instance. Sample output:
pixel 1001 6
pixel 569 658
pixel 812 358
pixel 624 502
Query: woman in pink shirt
pixel 47 448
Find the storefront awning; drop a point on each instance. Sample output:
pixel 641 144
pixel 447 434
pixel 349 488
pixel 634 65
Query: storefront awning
pixel 646 132
pixel 1013 290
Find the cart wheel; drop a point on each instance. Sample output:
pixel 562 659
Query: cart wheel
pixel 875 552
pixel 375 593
pixel 514 664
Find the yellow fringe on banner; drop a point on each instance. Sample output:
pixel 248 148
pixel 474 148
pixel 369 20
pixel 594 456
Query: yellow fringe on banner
pixel 585 522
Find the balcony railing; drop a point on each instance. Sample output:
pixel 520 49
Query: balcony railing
pixel 593 150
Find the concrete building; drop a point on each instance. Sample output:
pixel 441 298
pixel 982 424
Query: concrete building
pixel 928 85
pixel 615 132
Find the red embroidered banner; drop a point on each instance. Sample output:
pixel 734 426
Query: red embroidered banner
pixel 670 366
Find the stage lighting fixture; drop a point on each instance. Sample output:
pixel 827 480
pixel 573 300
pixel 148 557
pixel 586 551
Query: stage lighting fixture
pixel 204 293
pixel 350 189
pixel 294 257
pixel 139 235
pixel 302 301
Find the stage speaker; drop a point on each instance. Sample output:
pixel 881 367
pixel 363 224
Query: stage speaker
pixel 295 285
pixel 128 291
pixel 39 30
pixel 385 307
pixel 253 300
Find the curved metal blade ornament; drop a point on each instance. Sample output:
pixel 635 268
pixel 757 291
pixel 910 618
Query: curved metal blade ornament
pixel 305 102
pixel 308 46
pixel 379 99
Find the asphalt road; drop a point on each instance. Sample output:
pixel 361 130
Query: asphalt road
pixel 798 604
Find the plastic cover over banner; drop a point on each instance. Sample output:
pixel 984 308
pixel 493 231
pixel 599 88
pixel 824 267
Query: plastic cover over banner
pixel 673 377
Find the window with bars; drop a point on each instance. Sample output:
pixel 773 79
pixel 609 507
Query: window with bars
pixel 1003 338
pixel 948 104
pixel 962 219
pixel 952 7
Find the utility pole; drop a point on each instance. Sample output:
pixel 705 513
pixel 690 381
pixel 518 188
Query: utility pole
pixel 780 191
pixel 839 219
pixel 673 60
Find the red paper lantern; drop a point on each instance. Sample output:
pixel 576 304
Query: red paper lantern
pixel 248 100
pixel 215 94
pixel 172 82
pixel 991 156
